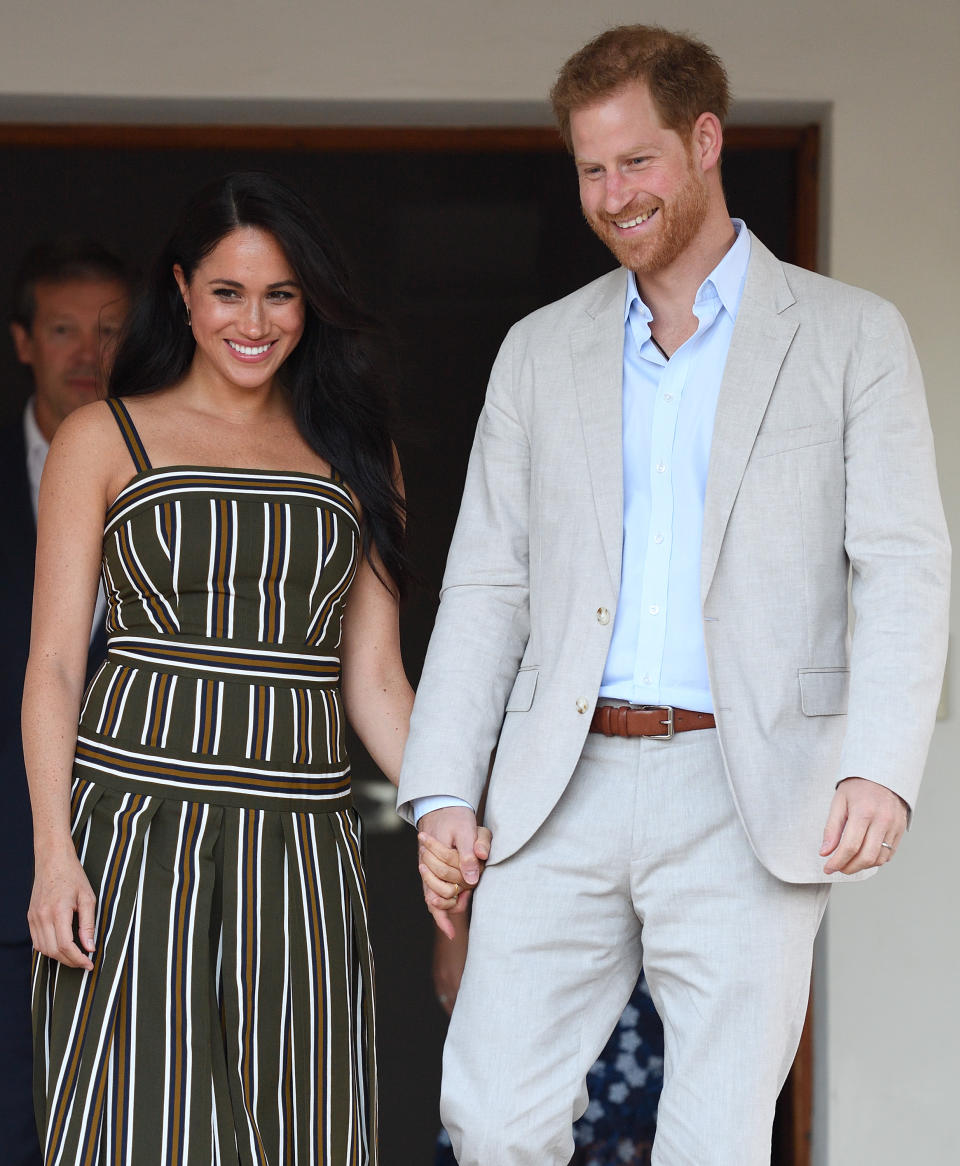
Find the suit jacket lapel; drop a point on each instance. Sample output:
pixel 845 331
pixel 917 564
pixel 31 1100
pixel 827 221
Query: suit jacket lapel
pixel 760 342
pixel 597 354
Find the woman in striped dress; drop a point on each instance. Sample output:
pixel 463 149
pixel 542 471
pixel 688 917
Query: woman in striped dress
pixel 204 988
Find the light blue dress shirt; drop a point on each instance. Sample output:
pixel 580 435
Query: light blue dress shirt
pixel 657 653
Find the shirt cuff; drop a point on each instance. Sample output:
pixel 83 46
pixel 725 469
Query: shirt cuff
pixel 421 806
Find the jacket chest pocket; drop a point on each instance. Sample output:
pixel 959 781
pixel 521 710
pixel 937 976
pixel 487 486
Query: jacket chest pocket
pixel 782 440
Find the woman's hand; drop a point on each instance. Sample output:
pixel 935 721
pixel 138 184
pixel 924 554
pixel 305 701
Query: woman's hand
pixel 62 890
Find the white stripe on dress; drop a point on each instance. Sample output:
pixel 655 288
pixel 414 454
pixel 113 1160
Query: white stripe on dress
pixel 218 713
pixel 231 577
pixel 211 561
pixel 175 564
pixel 168 718
pixel 128 685
pixel 264 573
pixel 282 579
pixel 149 714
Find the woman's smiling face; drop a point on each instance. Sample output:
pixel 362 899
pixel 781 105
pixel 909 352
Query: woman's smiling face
pixel 246 308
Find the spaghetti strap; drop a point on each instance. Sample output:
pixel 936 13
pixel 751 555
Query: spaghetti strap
pixel 130 435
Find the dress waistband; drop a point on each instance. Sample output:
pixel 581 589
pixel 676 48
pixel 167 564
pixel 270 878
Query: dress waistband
pixel 251 664
pixel 209 780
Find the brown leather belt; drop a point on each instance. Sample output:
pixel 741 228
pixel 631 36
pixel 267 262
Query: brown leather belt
pixel 659 722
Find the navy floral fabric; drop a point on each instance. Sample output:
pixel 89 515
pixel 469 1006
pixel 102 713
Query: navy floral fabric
pixel 624 1086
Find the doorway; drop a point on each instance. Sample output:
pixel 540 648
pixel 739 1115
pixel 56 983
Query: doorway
pixel 453 235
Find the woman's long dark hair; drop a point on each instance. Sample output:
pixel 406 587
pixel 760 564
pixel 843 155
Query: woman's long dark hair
pixel 333 375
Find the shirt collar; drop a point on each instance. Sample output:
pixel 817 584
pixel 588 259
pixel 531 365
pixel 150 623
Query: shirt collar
pixel 37 448
pixel 725 282
pixel 728 277
pixel 31 430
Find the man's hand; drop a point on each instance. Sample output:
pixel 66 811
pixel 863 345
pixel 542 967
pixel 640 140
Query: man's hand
pixel 452 850
pixel 864 828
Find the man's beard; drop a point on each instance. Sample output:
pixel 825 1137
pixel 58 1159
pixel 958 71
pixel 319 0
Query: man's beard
pixel 681 221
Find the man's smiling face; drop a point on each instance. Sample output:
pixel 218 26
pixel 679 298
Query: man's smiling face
pixel 640 188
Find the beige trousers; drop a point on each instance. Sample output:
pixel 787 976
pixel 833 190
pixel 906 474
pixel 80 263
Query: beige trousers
pixel 644 860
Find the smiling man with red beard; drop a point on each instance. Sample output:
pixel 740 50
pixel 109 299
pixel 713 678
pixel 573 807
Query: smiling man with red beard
pixel 69 300
pixel 646 189
pixel 678 471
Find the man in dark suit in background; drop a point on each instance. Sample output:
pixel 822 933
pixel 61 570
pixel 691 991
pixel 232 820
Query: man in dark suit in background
pixel 69 300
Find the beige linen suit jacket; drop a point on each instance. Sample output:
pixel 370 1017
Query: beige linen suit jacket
pixel 821 473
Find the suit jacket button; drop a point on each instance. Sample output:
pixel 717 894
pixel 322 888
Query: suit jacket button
pixel 603 616
pixel 582 705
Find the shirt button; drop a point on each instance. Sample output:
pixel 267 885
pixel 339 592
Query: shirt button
pixel 646 679
pixel 661 468
pixel 658 539
pixel 603 616
pixel 582 705
pixel 654 609
pixel 668 396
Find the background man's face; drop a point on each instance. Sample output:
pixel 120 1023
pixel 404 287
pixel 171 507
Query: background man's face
pixel 73 326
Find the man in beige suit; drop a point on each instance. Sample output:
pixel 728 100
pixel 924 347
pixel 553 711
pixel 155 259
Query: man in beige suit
pixel 677 472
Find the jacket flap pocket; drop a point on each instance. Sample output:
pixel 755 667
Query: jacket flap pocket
pixel 824 691
pixel 780 440
pixel 521 696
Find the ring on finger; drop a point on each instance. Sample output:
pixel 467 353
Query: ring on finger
pixel 888 845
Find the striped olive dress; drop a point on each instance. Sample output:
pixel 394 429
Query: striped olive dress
pixel 229 1014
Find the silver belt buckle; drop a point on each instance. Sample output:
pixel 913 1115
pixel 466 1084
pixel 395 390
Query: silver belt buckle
pixel 668 735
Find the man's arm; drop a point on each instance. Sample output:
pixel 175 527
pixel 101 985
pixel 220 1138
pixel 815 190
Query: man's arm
pixel 897 543
pixel 480 633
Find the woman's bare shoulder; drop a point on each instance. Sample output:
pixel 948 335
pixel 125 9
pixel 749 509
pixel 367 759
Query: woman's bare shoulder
pixel 89 448
pixel 90 429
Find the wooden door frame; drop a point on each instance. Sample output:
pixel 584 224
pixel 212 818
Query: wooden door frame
pixel 804 140
pixel 794 1124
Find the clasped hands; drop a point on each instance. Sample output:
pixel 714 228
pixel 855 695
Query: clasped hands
pixel 452 854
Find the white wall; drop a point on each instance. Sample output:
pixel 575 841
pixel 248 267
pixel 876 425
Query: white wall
pixel 889 1064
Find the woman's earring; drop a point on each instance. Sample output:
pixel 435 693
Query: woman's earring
pixel 186 308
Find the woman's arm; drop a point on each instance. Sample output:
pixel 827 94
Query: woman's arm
pixel 376 693
pixel 378 701
pixel 73 500
pixel 449 957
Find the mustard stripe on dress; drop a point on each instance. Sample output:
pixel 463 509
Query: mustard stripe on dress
pixel 229 1014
